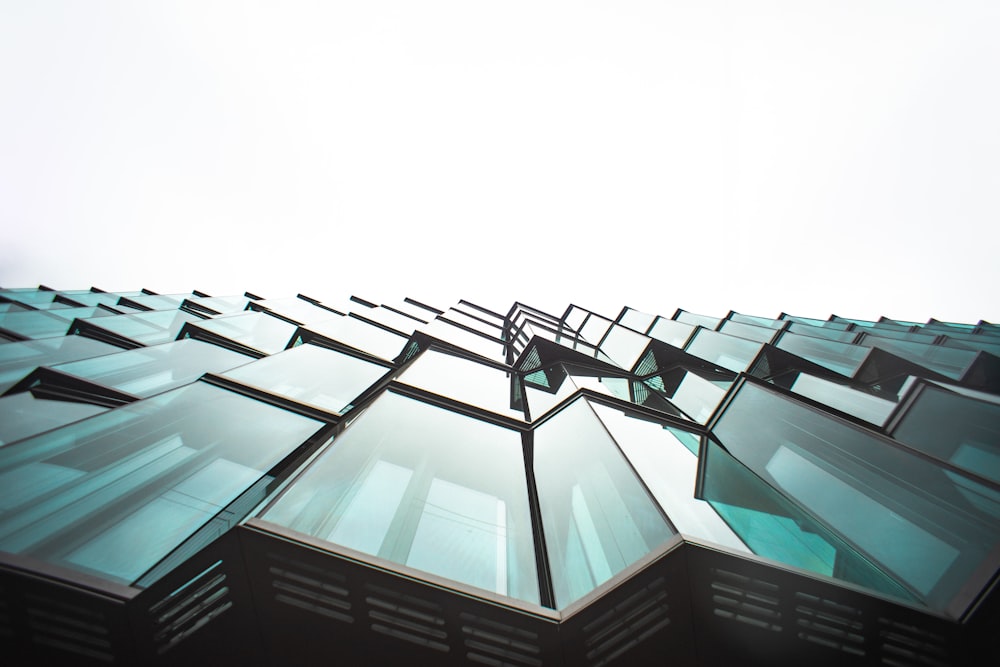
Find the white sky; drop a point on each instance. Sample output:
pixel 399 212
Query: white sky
pixel 813 157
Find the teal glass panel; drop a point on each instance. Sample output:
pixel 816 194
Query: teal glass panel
pixel 298 310
pixel 862 405
pixel 546 388
pixel 362 336
pixel 312 375
pixel 112 495
pixel 256 331
pixel 423 487
pixel 950 362
pixel 486 347
pixel 91 298
pixel 671 332
pixel 773 527
pixel 148 328
pixel 963 430
pixel 705 321
pixel 637 320
pixel 826 324
pixel 839 357
pixel 823 332
pixel 152 370
pixel 597 517
pixel 723 350
pixel 159 301
pixel 222 305
pixel 22 415
pixel 29 295
pixel 748 331
pixel 663 459
pixel 575 317
pixel 931 529
pixel 695 396
pixel 758 321
pixel 46 323
pixel 10 307
pixel 19 359
pixel 624 346
pixel 463 380
pixel 594 328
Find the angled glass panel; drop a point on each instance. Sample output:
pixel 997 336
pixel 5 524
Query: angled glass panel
pixel 755 320
pixel 463 380
pixel 151 370
pixel 296 309
pixel 19 359
pixel 705 321
pixel 722 349
pixel 826 324
pixel 222 305
pixel 399 323
pixel 159 301
pixel 597 517
pixel 424 487
pixel 147 328
pixel 472 322
pixel 637 320
pixel 963 430
pixel 352 332
pixel 46 323
pixel 933 530
pixel 594 328
pixel 669 470
pixel 545 388
pixel 950 362
pixel 88 298
pixel 862 405
pixel 257 331
pixel 312 375
pixel 22 415
pixel 9 307
pixel 838 357
pixel 671 332
pixel 485 347
pixel 28 295
pixel 822 332
pixel 624 346
pixel 112 495
pixel 748 331
pixel 695 396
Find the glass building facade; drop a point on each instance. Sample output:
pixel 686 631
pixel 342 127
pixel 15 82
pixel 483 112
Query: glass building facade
pixel 195 479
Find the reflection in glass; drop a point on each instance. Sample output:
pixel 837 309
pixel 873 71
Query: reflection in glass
pixel 354 333
pixel 313 375
pixel 147 328
pixel 22 415
pixel 423 487
pixel 463 380
pixel 727 351
pixel 19 359
pixel 112 495
pixel 256 331
pixel 597 517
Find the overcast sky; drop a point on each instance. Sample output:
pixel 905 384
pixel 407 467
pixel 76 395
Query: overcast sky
pixel 813 157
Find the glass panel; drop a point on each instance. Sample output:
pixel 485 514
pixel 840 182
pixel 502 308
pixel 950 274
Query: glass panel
pixel 748 331
pixel 92 298
pixel 698 320
pixel 19 359
pixel 471 322
pixel 826 324
pixel 473 342
pixel 598 519
pixel 424 487
pixel 759 321
pixel 313 375
pixel 359 335
pixel 463 380
pixel 150 328
pixel 694 395
pixel 839 357
pixel 159 301
pixel 298 310
pixel 546 388
pixel 151 370
pixel 257 331
pixel 727 351
pixel 669 469
pixel 865 406
pixel 219 304
pixel 594 328
pixel 671 332
pixel 823 332
pixel 22 415
pixel 624 346
pixel 954 428
pixel 950 362
pixel 932 529
pixel 637 320
pixel 112 495
pixel 46 323
pixel 401 323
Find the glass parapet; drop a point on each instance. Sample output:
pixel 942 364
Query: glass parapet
pixel 872 409
pixel 839 357
pixel 464 381
pixel 823 332
pixel 353 333
pixel 671 332
pixel 695 396
pixel 669 469
pixel 958 426
pixel 18 359
pixel 155 301
pixel 473 322
pixel 637 320
pixel 705 321
pixel 594 328
pixel 423 487
pixel 888 503
pixel 597 517
pixel 757 321
pixel 46 323
pixel 948 361
pixel 751 332
pixel 147 328
pixel 312 375
pixel 112 495
pixel 297 310
pixel 256 331
pixel 151 370
pixel 732 353
pixel 486 347
pixel 22 415
pixel 217 305
pixel 624 346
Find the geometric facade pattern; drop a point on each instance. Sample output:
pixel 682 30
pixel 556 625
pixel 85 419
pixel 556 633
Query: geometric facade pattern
pixel 188 479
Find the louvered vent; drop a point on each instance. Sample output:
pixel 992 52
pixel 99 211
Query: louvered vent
pixel 497 644
pixel 829 623
pixel 745 599
pixel 407 618
pixel 311 589
pixel 905 645
pixel 69 627
pixel 190 608
pixel 626 625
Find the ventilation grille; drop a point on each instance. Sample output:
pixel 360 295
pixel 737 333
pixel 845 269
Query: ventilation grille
pixel 69 627
pixel 310 588
pixel 906 645
pixel 407 618
pixel 531 361
pixel 745 599
pixel 829 623
pixel 647 365
pixel 498 644
pixel 626 625
pixel 190 608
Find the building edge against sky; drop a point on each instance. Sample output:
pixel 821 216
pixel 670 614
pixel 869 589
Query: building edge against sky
pixel 444 483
